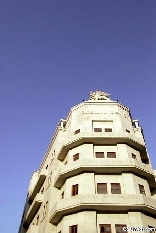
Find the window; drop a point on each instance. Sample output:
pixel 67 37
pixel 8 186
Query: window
pixel 37 220
pixel 97 129
pixel 134 156
pixel 108 130
pixel 46 167
pixel 105 228
pixel 127 131
pixel 77 131
pixel 101 188
pixel 59 232
pixel 142 189
pixel 76 157
pixel 111 154
pixel 99 154
pixel 119 228
pixel 75 190
pixel 115 188
pixel 42 190
pixel 45 209
pixel 62 195
pixel 73 229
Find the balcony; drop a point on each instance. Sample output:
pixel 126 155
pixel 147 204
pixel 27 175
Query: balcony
pixel 41 178
pixel 104 166
pixel 102 202
pixel 100 138
pixel 33 229
pixel 33 208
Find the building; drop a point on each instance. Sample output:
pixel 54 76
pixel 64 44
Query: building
pixel 96 175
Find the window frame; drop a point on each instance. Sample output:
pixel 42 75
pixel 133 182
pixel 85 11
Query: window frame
pixel 120 225
pixel 75 190
pixel 101 189
pixel 105 225
pixel 73 229
pixel 98 130
pixel 142 189
pixel 110 154
pixel 116 184
pixel 99 154
pixel 108 130
pixel 76 157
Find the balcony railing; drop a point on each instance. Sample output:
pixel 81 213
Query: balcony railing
pixel 33 208
pixel 104 166
pixel 41 178
pixel 102 202
pixel 100 138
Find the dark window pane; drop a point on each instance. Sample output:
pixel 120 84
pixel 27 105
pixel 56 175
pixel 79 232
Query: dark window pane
pixel 97 129
pixel 108 130
pixel 99 154
pixel 111 154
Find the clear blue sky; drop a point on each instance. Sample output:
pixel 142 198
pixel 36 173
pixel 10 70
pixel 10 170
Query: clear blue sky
pixel 59 51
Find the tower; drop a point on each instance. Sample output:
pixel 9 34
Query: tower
pixel 96 175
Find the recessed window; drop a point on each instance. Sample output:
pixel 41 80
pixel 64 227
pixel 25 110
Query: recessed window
pixel 62 195
pixel 111 154
pixel 73 229
pixel 77 131
pixel 105 228
pixel 127 131
pixel 142 189
pixel 108 130
pixel 76 157
pixel 97 129
pixel 99 154
pixel 134 156
pixel 101 188
pixel 74 190
pixel 115 188
pixel 42 190
pixel 119 228
pixel 46 167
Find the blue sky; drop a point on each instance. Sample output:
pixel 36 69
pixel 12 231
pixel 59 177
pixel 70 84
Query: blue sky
pixel 52 54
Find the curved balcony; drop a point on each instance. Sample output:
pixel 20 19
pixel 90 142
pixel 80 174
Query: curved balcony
pixel 101 138
pixel 104 166
pixel 102 202
pixel 38 184
pixel 33 208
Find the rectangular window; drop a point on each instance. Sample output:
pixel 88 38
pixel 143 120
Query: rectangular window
pixel 101 188
pixel 77 131
pixel 97 129
pixel 37 220
pixel 115 188
pixel 142 189
pixel 111 154
pixel 76 157
pixel 119 228
pixel 74 190
pixel 134 156
pixel 73 229
pixel 105 228
pixel 108 130
pixel 99 154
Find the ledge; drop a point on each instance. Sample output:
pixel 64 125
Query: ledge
pixel 104 166
pixel 102 202
pixel 100 138
pixel 33 208
pixel 41 178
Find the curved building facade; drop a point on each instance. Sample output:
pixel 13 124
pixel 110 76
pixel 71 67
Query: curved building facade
pixel 96 175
